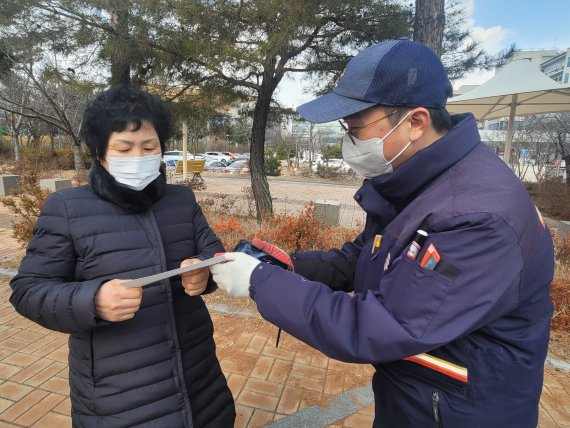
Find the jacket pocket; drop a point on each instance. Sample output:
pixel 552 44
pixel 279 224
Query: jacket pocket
pixel 92 355
pixel 487 368
pixel 413 294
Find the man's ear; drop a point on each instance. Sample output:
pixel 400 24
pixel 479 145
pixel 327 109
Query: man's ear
pixel 420 123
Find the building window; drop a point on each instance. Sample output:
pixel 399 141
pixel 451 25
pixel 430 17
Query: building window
pixel 568 63
pixel 566 78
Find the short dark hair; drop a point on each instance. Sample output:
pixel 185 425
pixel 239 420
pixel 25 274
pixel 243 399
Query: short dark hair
pixel 440 118
pixel 114 109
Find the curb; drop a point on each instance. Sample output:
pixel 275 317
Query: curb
pixel 557 364
pixel 8 272
pixel 562 226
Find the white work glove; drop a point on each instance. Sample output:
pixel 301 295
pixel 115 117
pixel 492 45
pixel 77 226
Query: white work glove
pixel 233 276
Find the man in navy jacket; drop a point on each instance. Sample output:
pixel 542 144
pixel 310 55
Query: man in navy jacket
pixel 457 331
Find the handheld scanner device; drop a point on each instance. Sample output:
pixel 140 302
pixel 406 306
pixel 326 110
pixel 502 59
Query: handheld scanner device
pixel 247 247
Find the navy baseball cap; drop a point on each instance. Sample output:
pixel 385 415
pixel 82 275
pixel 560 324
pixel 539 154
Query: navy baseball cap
pixel 395 73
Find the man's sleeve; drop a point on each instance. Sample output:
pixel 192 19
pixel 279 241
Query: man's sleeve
pixel 334 268
pixel 413 309
pixel 43 290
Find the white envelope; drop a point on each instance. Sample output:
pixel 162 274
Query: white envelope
pixel 139 282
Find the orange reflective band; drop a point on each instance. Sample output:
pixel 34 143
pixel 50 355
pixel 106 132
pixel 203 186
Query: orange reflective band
pixel 442 366
pixel 540 217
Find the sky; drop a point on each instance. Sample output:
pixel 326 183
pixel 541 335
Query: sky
pixel 497 24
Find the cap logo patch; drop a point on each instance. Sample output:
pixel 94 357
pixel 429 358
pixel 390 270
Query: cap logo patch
pixel 412 76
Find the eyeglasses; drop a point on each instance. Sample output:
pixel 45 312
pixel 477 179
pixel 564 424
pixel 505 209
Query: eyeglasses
pixel 350 130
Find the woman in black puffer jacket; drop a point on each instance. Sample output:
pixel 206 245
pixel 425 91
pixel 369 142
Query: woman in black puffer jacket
pixel 137 357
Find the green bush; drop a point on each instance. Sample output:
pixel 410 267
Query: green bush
pixel 272 166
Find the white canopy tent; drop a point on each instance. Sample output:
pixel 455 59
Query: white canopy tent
pixel 518 89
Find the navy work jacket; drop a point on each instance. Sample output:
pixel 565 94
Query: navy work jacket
pixel 461 345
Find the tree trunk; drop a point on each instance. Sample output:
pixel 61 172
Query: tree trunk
pixel 16 145
pixel 120 64
pixel 429 23
pixel 52 142
pixel 78 157
pixel 259 184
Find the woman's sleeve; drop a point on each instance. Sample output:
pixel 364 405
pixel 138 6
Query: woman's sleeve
pixel 44 289
pixel 207 242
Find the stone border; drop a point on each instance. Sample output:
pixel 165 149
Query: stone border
pixel 562 226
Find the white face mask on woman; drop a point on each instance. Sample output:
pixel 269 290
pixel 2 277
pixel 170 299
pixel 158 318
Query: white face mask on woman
pixel 367 158
pixel 135 172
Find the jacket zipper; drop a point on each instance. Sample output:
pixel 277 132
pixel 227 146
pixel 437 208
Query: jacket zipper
pixel 156 239
pixel 435 407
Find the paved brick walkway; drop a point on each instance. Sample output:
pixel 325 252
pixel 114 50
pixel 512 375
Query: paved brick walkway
pixel 8 245
pixel 270 385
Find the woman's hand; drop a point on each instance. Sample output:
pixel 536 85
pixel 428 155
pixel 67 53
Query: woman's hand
pixel 113 302
pixel 195 281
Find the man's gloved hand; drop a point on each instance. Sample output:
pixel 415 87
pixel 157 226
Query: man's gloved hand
pixel 273 251
pixel 233 276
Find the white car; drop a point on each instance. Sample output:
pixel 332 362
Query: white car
pixel 217 156
pixel 338 164
pixel 215 166
pixel 176 155
pixel 238 167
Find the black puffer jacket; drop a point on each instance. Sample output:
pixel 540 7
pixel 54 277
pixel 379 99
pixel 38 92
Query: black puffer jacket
pixel 158 369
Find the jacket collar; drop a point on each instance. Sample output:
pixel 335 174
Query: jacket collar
pixel 104 185
pixel 385 196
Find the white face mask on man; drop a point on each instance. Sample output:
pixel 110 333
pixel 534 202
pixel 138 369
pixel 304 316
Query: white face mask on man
pixel 366 158
pixel 135 172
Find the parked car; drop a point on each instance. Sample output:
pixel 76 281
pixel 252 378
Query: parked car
pixel 238 167
pixel 337 164
pixel 177 155
pixel 241 158
pixel 215 166
pixel 231 155
pixel 217 156
pixel 170 163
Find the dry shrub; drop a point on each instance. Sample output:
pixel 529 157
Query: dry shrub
pixel 26 201
pixel 56 159
pixel 80 178
pixel 303 232
pixel 297 233
pixel 218 203
pixel 229 229
pixel 247 193
pixel 551 196
pixel 560 293
pixel 196 183
pixel 40 169
pixel 562 251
